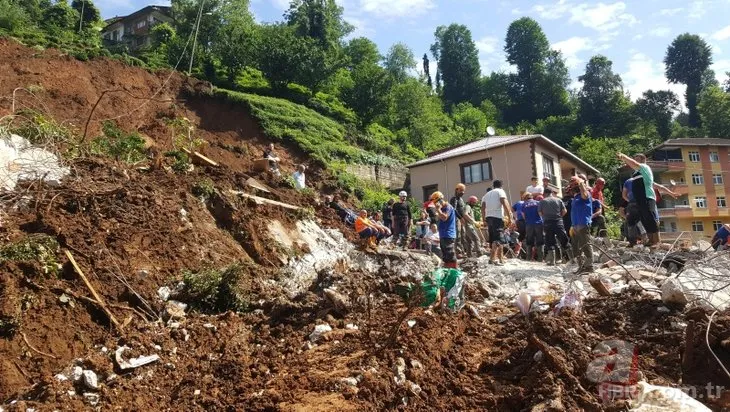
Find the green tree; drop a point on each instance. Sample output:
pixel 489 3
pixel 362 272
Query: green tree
pixel 496 89
pixel 686 60
pixel 658 107
pixel 60 17
pixel 88 12
pixel 319 19
pixel 714 110
pixel 537 90
pixel 559 129
pixel 236 41
pixel 12 16
pixel 361 50
pixel 369 95
pixel 399 61
pixel 491 113
pixel 418 115
pixel 470 122
pixel 458 63
pixel 597 96
pixel 427 70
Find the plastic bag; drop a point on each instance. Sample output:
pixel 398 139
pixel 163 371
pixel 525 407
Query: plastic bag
pixel 445 286
pixel 664 398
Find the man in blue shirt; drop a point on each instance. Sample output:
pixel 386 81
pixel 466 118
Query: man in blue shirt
pixel 521 229
pixel 634 227
pixel 720 240
pixel 533 223
pixel 447 229
pixel 646 199
pixel 581 212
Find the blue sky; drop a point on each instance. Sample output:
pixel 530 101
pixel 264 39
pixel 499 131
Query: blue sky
pixel 633 34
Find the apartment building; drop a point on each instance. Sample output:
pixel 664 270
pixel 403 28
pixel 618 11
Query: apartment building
pixel 134 30
pixel 699 171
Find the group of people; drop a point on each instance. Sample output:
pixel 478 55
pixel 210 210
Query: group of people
pixel 541 226
pixel 298 176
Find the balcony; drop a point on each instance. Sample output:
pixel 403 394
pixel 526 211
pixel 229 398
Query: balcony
pixel 676 211
pixel 669 165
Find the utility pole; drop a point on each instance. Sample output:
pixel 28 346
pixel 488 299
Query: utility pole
pixel 81 19
pixel 195 38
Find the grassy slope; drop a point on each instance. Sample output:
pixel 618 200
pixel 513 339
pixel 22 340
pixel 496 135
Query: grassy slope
pixel 324 139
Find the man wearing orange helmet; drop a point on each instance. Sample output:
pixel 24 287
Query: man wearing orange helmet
pixel 472 244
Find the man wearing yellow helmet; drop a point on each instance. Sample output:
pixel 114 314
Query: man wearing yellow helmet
pixel 446 227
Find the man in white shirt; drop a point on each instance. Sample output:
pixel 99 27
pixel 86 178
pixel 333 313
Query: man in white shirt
pixel 495 206
pixel 299 177
pixel 534 188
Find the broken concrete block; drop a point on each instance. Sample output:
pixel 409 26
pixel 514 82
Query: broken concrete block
pixel 319 331
pixel 399 369
pixel 673 292
pixel 174 310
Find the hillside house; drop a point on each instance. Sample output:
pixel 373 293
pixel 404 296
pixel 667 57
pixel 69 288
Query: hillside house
pixel 134 30
pixel 511 159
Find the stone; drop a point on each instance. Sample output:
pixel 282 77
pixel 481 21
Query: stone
pixel 91 380
pixel 174 310
pixel 164 293
pixel 76 373
pixel 673 293
pixel 349 381
pixel 399 369
pixel 319 331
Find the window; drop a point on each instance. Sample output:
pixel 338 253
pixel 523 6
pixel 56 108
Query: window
pixel 698 179
pixel 714 157
pixel 476 172
pixel 673 225
pixel 115 35
pixel 141 24
pixel 548 169
pixel 694 157
pixel 717 179
pixel 721 202
pixel 716 225
pixel 698 227
pixel 428 191
pixel 662 226
pixel 681 180
pixel 701 202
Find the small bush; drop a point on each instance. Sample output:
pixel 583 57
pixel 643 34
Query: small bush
pixel 117 143
pixel 216 290
pixel 40 129
pixel 182 162
pixel 40 248
pixel 204 188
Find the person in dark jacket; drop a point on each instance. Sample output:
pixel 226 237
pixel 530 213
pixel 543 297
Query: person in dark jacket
pixel 402 220
pixel 457 202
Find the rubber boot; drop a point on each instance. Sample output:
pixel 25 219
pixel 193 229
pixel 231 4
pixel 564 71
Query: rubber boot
pixel 551 258
pixel 540 254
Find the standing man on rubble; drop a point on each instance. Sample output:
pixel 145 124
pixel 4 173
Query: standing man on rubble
pixel 581 212
pixel 598 228
pixel 273 159
pixel 497 206
pixel 534 189
pixel 388 214
pixel 446 228
pixel 552 211
pixel 647 200
pixel 534 225
pixel 521 228
pixel 473 246
pixel 457 202
pixel 402 220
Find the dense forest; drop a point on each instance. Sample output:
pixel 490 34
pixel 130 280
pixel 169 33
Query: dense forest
pixel 388 100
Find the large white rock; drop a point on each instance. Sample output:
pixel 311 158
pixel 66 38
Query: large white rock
pixel 21 161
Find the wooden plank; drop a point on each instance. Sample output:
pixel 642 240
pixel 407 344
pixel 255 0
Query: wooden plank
pixel 201 158
pixel 262 200
pixel 93 291
pixel 258 185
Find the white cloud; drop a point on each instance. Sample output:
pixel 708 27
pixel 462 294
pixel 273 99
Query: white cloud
pixel 644 73
pixel 397 8
pixel 487 45
pixel 637 37
pixel 670 12
pixel 602 17
pixel 552 11
pixel 661 31
pixel 570 49
pixel 516 11
pixel 722 34
pixel 697 9
pixel 720 67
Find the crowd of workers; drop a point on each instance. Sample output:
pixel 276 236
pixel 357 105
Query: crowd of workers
pixel 540 226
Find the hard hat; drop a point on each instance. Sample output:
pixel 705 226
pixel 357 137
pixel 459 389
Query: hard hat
pixel 436 196
pixel 473 199
pixel 460 186
pixel 601 180
pixel 403 193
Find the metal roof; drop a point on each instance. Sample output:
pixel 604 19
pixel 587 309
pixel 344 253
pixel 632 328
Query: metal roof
pixel 698 141
pixel 495 142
